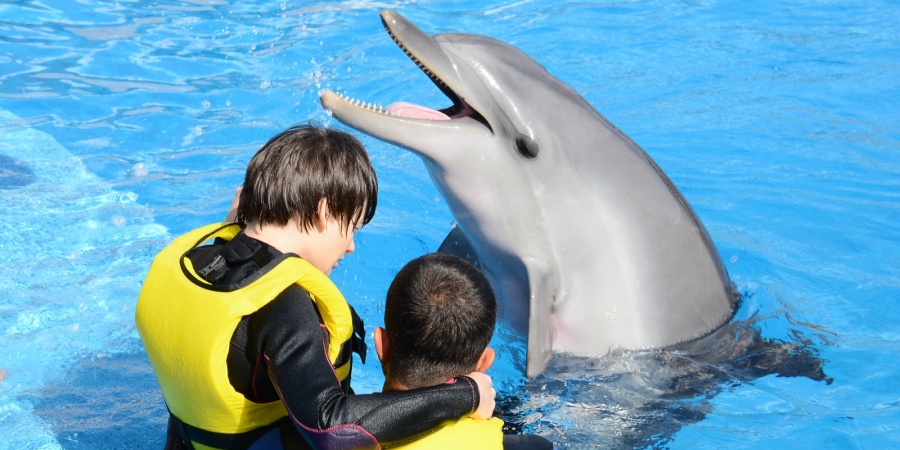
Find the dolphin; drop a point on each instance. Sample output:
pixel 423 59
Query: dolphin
pixel 588 245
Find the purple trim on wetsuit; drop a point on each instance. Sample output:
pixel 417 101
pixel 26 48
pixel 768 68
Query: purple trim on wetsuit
pixel 347 436
pixel 340 437
pixel 473 388
pixel 253 379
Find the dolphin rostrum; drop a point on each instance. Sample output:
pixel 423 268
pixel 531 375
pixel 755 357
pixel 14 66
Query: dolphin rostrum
pixel 588 245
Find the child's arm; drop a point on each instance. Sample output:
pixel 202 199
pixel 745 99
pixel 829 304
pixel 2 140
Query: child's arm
pixel 291 342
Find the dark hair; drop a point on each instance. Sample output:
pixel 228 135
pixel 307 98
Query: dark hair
pixel 439 317
pixel 300 166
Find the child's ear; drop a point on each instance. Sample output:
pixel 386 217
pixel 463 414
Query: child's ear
pixel 381 344
pixel 321 221
pixel 487 358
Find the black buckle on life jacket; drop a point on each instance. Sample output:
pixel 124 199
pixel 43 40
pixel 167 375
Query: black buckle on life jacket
pixel 214 270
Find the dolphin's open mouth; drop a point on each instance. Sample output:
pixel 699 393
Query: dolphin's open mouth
pixel 457 110
pixel 398 27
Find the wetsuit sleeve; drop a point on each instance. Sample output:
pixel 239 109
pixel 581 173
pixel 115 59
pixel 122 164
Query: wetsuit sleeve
pixel 291 340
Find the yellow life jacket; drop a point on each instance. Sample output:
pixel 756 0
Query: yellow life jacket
pixel 464 433
pixel 186 325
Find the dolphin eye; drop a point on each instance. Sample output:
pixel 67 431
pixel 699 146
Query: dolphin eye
pixel 526 147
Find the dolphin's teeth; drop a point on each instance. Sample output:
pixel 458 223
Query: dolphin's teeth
pixel 415 60
pixel 371 106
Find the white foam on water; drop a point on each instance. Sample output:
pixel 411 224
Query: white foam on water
pixel 72 296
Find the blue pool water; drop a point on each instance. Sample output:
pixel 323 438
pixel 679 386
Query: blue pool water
pixel 126 123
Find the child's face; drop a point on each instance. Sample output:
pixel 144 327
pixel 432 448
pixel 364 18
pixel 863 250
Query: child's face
pixel 337 242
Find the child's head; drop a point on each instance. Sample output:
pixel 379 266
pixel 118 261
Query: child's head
pixel 439 318
pixel 297 169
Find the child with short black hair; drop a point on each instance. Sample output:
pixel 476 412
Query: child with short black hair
pixel 439 317
pixel 251 342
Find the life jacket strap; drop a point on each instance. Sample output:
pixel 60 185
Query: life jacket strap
pixel 190 434
pixel 358 340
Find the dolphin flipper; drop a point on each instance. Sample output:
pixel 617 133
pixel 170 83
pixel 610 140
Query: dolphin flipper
pixel 541 327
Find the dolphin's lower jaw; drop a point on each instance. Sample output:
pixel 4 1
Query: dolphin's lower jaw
pixel 599 249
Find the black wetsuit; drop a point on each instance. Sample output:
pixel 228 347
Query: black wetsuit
pixel 279 348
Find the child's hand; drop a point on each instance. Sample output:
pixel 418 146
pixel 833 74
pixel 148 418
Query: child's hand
pixel 486 393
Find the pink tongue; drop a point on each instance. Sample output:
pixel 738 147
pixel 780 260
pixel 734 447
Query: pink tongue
pixel 413 111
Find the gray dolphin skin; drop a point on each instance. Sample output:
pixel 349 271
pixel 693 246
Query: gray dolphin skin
pixel 588 245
